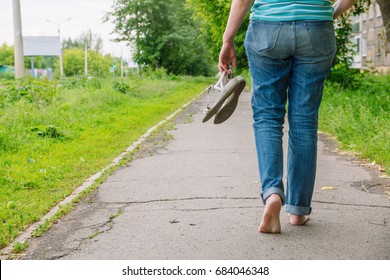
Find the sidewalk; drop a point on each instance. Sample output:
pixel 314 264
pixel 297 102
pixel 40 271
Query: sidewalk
pixel 197 197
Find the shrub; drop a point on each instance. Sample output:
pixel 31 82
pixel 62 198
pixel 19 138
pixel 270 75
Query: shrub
pixel 124 87
pixel 154 74
pixel 50 131
pixel 33 90
pixel 345 77
pixel 73 82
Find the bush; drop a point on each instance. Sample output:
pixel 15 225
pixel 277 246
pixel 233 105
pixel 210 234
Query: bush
pixel 154 74
pixel 345 77
pixel 81 81
pixel 73 82
pixel 35 91
pixel 125 87
pixel 7 76
pixel 50 131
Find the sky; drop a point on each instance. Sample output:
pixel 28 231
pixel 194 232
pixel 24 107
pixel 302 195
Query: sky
pixel 83 14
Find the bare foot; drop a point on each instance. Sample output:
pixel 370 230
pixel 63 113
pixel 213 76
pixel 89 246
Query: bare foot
pixel 298 220
pixel 271 221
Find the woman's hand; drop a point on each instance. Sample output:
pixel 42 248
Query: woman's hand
pixel 227 55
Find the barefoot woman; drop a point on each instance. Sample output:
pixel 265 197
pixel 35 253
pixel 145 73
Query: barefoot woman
pixel 290 45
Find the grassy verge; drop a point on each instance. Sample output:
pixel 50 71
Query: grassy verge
pixel 49 147
pixel 360 118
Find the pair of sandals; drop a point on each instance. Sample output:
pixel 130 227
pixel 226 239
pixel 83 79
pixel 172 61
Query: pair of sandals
pixel 227 91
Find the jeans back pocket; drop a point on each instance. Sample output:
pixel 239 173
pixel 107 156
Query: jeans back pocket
pixel 322 37
pixel 262 36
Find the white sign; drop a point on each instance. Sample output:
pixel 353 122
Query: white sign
pixel 41 46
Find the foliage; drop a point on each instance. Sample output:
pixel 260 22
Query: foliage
pixel 93 41
pixel 341 72
pixel 163 34
pixel 36 91
pixel 7 75
pixel 50 131
pixel 80 82
pixel 74 63
pixel 41 62
pixel 345 49
pixel 154 74
pixel 19 247
pixel 6 55
pixel 125 87
pixel 385 11
pixel 359 117
pixel 344 76
pixel 72 82
pixel 214 16
pixel 99 65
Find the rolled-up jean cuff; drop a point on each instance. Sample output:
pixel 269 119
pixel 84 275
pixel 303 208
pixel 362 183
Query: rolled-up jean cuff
pixel 297 210
pixel 274 190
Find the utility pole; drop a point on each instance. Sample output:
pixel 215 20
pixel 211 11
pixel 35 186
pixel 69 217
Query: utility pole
pixel 86 59
pixel 375 52
pixel 59 36
pixel 18 37
pixel 122 64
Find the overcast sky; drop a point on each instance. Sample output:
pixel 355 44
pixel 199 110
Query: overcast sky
pixel 84 14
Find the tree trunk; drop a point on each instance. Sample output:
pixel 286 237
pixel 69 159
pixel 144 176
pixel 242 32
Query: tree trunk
pixel 385 11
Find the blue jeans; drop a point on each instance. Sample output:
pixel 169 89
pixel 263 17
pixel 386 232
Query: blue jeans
pixel 288 62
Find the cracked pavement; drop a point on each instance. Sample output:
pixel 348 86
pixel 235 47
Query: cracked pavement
pixel 197 197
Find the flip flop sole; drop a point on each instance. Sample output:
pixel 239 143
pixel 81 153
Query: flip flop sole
pixel 227 109
pixel 226 93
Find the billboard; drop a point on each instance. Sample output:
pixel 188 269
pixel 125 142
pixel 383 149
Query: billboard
pixel 41 45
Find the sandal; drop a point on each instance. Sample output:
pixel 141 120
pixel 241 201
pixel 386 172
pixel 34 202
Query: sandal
pixel 228 91
pixel 231 102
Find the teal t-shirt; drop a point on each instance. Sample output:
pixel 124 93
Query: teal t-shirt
pixel 285 10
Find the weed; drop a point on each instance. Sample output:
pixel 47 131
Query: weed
pixel 50 131
pixel 93 235
pixel 40 92
pixel 73 82
pixel 19 247
pixel 124 87
pixel 117 214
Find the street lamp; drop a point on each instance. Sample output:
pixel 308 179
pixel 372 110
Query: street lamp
pixel 59 36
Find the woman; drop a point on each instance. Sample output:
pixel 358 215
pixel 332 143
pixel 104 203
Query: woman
pixel 290 45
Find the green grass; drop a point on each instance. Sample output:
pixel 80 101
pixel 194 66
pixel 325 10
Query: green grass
pixel 47 150
pixel 19 247
pixel 360 119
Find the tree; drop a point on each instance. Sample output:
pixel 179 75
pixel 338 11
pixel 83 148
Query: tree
pixel 6 55
pixel 163 34
pixel 98 65
pixel 93 40
pixel 345 48
pixel 73 60
pixel 214 16
pixel 385 10
pixel 69 43
pixel 42 62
